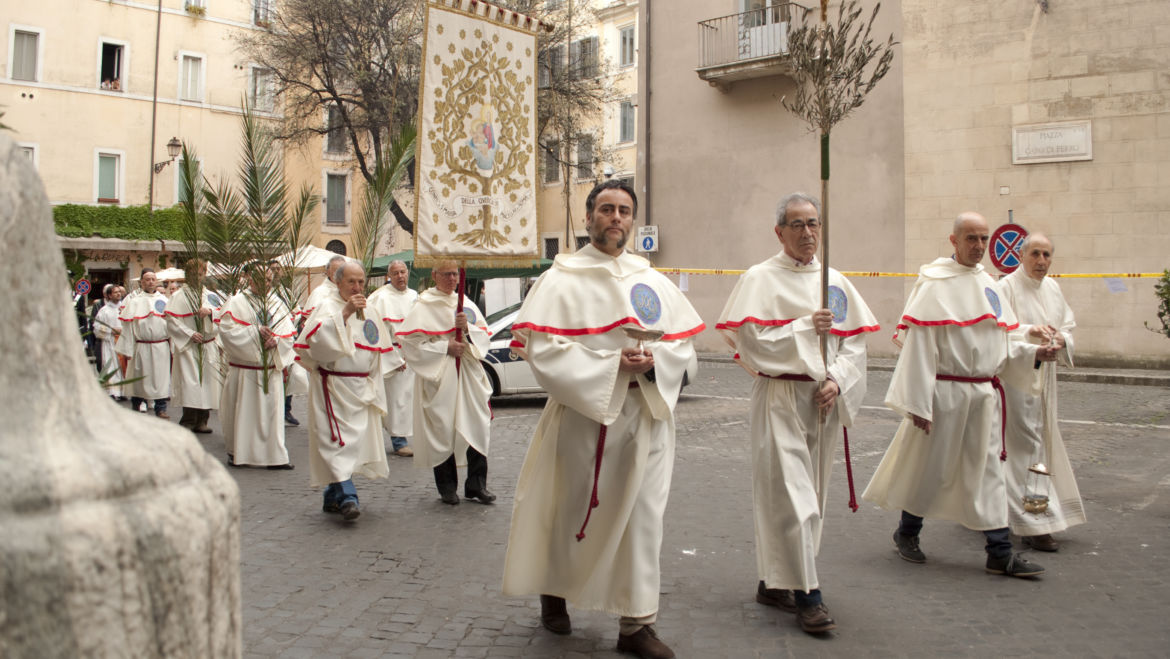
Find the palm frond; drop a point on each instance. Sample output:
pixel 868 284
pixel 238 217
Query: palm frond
pixel 371 222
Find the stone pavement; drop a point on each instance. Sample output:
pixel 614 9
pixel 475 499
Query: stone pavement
pixel 416 578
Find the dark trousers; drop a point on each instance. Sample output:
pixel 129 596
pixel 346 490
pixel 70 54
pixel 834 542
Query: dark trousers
pixel 447 476
pixel 999 543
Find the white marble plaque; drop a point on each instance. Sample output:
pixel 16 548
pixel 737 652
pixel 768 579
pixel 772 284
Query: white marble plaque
pixel 1056 142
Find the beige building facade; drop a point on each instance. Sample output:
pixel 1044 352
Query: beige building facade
pixel 1082 88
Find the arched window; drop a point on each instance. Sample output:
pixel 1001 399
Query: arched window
pixel 336 246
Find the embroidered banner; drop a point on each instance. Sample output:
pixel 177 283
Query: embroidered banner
pixel 476 156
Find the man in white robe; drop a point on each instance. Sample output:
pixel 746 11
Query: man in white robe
pixel 344 349
pixel 774 320
pixel 195 377
pixel 392 302
pixel 107 328
pixel 452 419
pixel 257 336
pixel 945 462
pixel 587 521
pixel 325 289
pixel 1033 435
pixel 145 342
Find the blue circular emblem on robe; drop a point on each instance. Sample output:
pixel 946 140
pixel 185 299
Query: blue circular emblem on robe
pixel 646 304
pixel 160 305
pixel 994 300
pixel 838 304
pixel 471 318
pixel 214 300
pixel 370 329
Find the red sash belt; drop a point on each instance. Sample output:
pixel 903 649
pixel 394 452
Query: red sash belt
pixel 801 377
pixel 159 341
pixel 250 367
pixel 593 501
pixel 1002 405
pixel 795 377
pixel 334 426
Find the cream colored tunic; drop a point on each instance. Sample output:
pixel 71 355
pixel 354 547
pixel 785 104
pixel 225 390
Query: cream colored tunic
pixel 768 320
pixel 1033 433
pixel 450 407
pixel 570 330
pixel 393 305
pixel 144 341
pixel 104 329
pixel 345 359
pixel 954 324
pixel 253 421
pixel 194 385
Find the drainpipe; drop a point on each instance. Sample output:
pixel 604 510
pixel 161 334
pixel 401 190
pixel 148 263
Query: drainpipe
pixel 644 109
pixel 154 111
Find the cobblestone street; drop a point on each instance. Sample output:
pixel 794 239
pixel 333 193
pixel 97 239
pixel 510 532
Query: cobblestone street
pixel 416 578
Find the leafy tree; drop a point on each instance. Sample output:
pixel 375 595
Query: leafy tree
pixel 1162 291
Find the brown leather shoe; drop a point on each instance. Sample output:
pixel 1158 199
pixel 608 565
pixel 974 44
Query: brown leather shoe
pixel 645 644
pixel 781 598
pixel 202 430
pixel 554 616
pixel 815 619
pixel 404 452
pixel 1041 542
pixel 162 415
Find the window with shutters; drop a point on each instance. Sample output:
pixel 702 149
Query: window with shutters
pixel 552 165
pixel 626 53
pixel 336 193
pixel 24 63
pixel 260 94
pixel 335 142
pixel 585 156
pixel 628 125
pixel 191 77
pixel 108 177
pixel 583 58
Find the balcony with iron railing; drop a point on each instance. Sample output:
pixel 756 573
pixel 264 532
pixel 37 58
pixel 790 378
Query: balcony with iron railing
pixel 750 44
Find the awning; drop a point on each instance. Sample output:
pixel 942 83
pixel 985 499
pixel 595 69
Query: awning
pixel 407 256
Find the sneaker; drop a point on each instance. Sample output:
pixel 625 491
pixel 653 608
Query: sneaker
pixel 815 619
pixel 781 598
pixel 404 452
pixel 1041 542
pixel 1013 565
pixel 290 420
pixel 349 510
pixel 908 548
pixel 645 644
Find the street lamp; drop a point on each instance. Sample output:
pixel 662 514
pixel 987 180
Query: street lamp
pixel 173 149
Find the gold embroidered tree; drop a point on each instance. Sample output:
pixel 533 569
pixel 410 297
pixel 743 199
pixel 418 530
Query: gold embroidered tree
pixel 482 82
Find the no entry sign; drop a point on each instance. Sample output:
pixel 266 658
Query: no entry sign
pixel 82 287
pixel 1005 247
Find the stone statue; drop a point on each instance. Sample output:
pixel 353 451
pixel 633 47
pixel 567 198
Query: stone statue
pixel 119 534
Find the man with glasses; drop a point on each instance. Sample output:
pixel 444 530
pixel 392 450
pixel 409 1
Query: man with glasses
pixel 775 320
pixel 452 420
pixel 945 462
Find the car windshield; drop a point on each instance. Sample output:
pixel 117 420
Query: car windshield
pixel 496 315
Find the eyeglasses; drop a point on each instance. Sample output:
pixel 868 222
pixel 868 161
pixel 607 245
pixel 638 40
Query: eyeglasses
pixel 813 225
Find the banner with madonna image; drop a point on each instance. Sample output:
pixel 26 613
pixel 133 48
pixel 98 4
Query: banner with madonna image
pixel 476 180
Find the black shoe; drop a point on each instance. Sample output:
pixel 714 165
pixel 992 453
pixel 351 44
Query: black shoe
pixel 645 644
pixel 1013 565
pixel 554 616
pixel 231 461
pixel 349 511
pixel 449 498
pixel 780 598
pixel 815 619
pixel 908 548
pixel 290 420
pixel 330 507
pixel 483 496
pixel 287 465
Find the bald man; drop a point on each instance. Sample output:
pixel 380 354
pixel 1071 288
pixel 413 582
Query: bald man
pixel 1032 432
pixel 945 462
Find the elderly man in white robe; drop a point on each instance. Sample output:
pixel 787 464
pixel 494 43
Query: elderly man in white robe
pixel 346 351
pixel 774 321
pixel 1033 435
pixel 145 341
pixel 257 336
pixel 452 419
pixel 325 289
pixel 195 377
pixel 392 302
pixel 587 521
pixel 945 462
pixel 107 328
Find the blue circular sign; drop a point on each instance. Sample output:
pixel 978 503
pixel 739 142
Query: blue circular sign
pixel 993 298
pixel 1005 247
pixel 646 304
pixel 214 300
pixel 647 244
pixel 370 329
pixel 160 305
pixel 471 317
pixel 838 304
pixel 82 287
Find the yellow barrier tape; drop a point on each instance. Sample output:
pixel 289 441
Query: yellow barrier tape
pixel 1086 275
